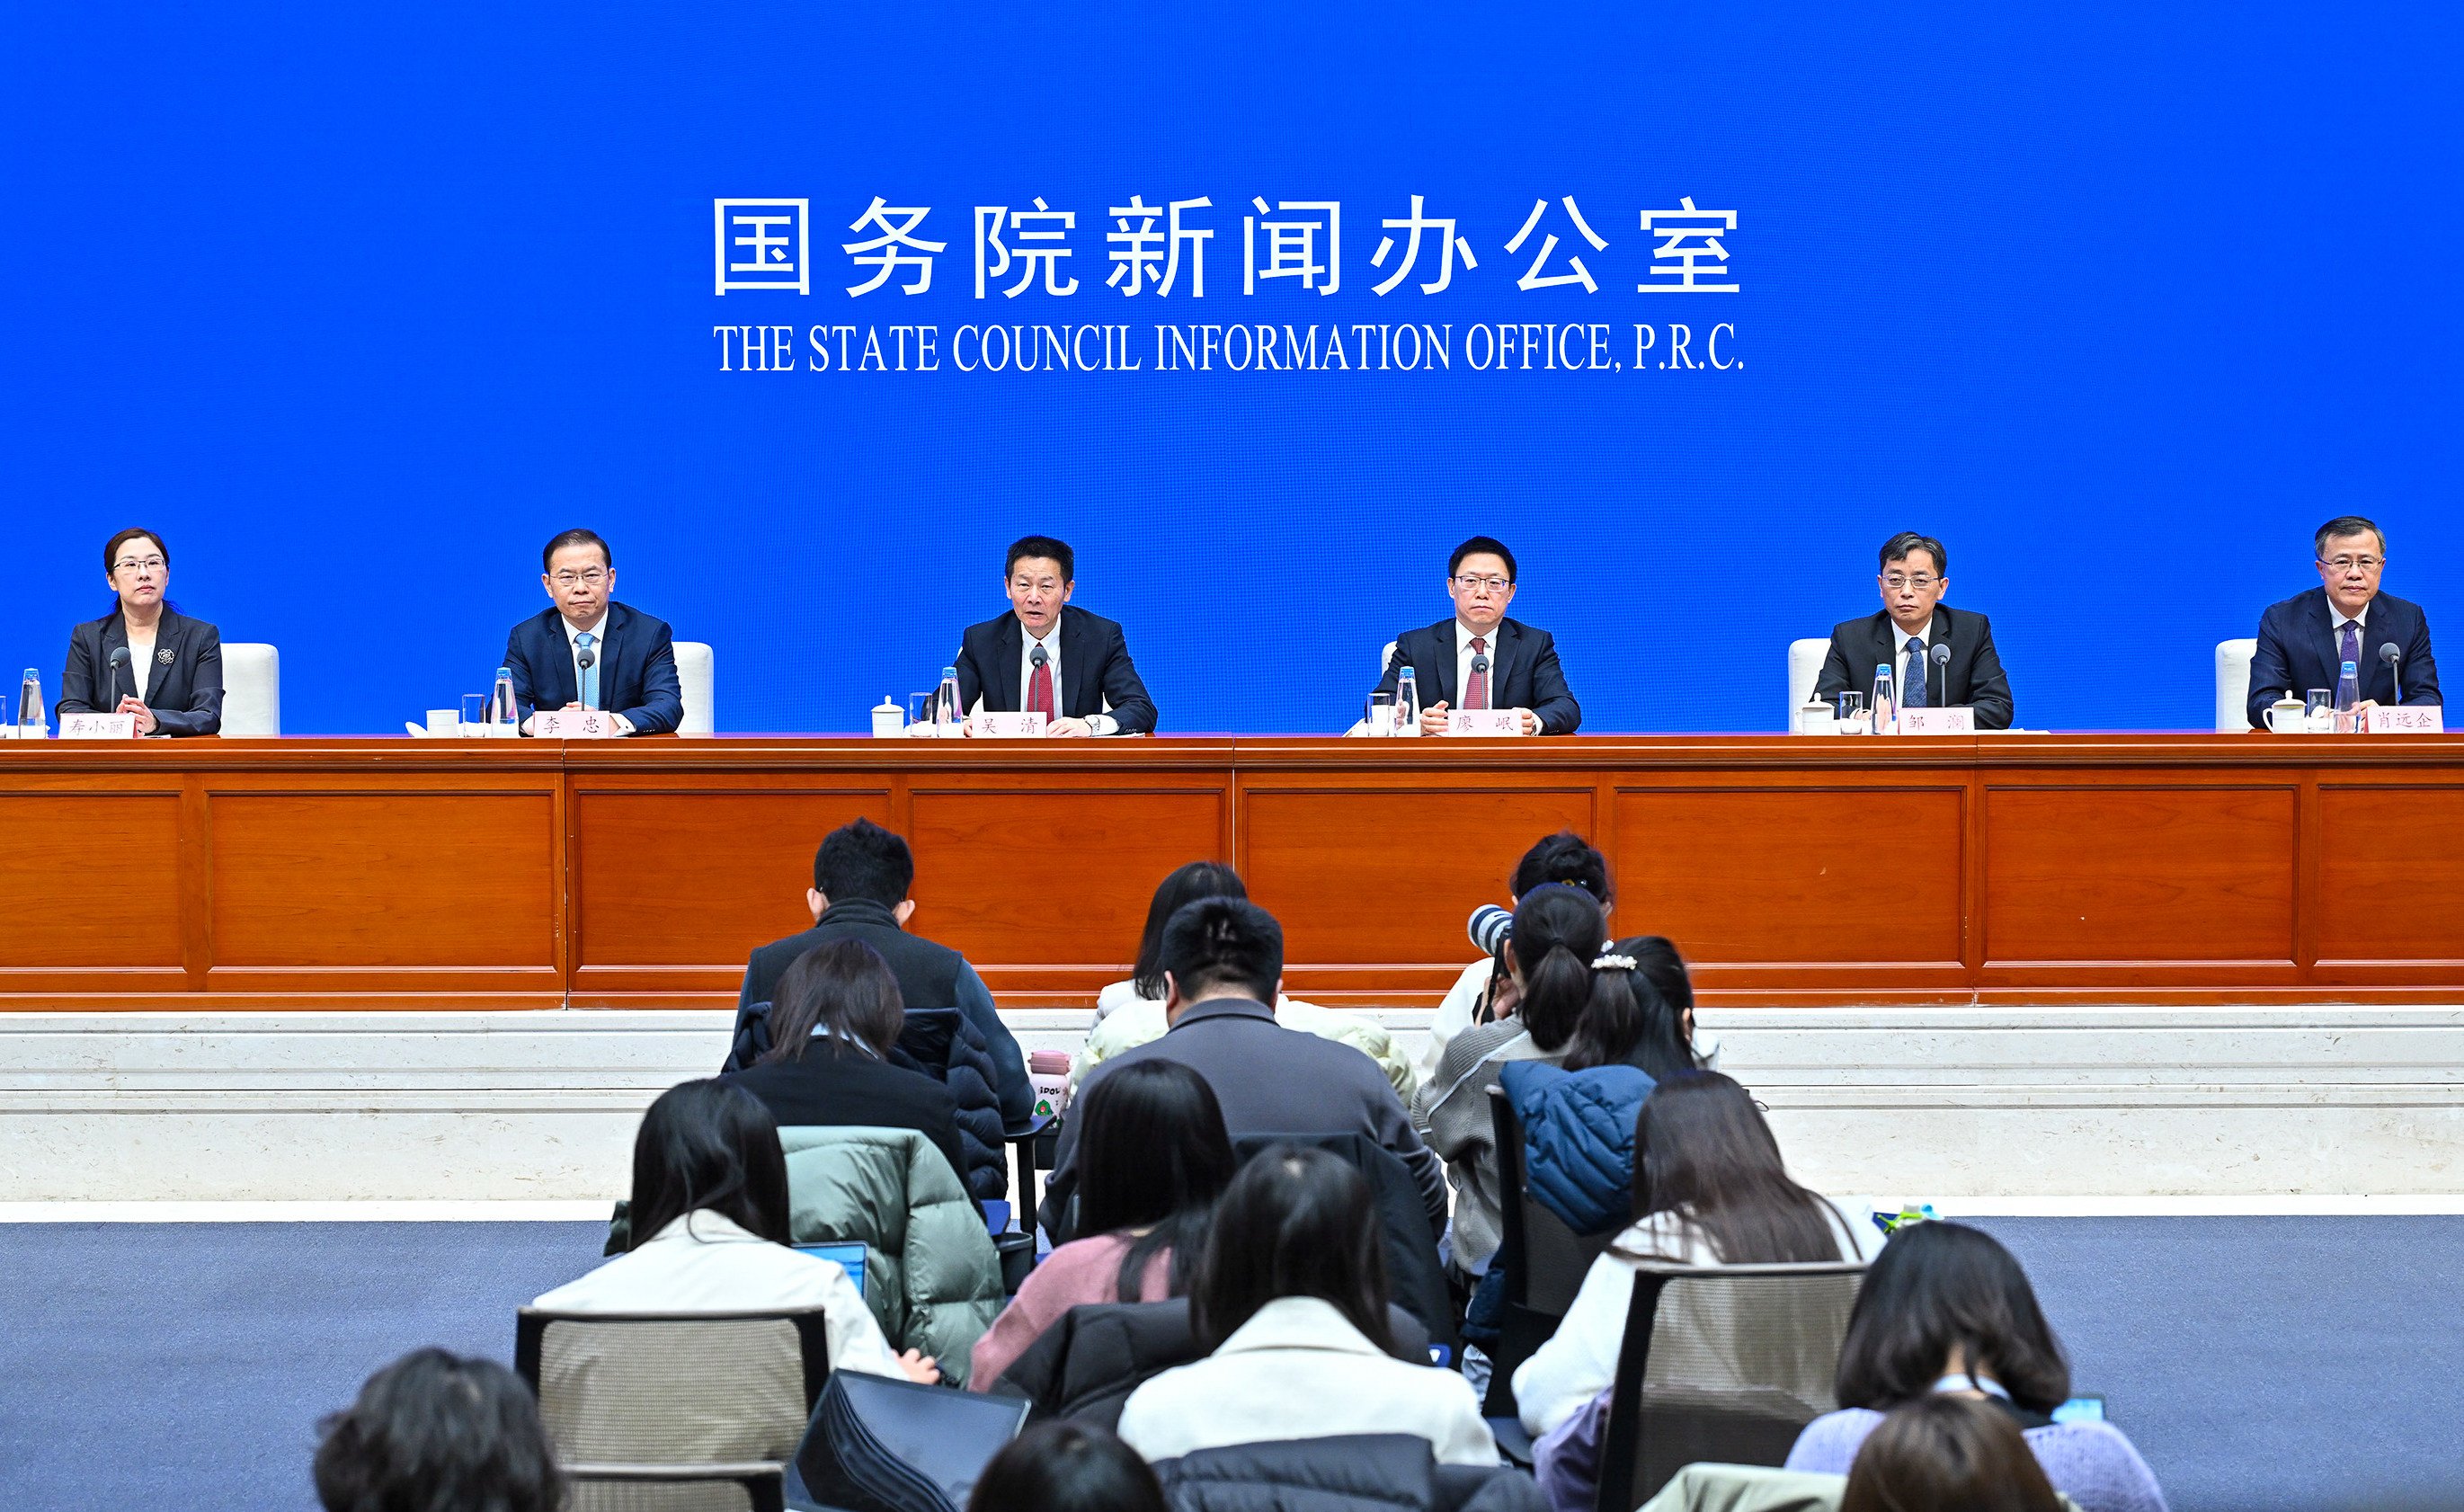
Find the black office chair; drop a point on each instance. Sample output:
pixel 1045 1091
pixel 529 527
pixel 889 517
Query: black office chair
pixel 1543 1261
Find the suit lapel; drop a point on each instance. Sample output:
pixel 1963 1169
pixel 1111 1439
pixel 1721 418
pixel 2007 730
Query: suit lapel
pixel 1002 697
pixel 167 635
pixel 1501 655
pixel 1442 673
pixel 612 645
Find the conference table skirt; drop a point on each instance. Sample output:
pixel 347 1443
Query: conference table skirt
pixel 319 872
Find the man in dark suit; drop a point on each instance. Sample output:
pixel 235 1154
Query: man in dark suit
pixel 1909 634
pixel 590 653
pixel 2304 641
pixel 1046 657
pixel 1478 658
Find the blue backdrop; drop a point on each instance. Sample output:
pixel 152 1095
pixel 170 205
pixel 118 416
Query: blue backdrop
pixel 358 304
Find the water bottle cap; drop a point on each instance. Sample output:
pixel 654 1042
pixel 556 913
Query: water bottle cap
pixel 1882 667
pixel 2349 667
pixel 504 672
pixel 1407 672
pixel 949 671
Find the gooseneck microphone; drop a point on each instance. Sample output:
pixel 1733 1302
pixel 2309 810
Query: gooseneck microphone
pixel 584 658
pixel 118 665
pixel 1941 664
pixel 2393 656
pixel 1480 668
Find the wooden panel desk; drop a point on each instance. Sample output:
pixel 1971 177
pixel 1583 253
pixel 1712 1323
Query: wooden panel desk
pixel 2021 870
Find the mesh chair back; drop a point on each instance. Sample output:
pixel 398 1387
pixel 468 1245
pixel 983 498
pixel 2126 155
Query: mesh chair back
pixel 1542 1258
pixel 1721 1362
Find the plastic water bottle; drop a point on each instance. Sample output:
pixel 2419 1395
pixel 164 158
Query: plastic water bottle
pixel 502 712
pixel 1886 703
pixel 2348 692
pixel 30 705
pixel 945 703
pixel 1407 703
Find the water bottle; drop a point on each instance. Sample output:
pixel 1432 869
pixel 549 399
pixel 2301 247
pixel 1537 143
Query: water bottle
pixel 946 711
pixel 1886 703
pixel 1407 703
pixel 30 705
pixel 502 712
pixel 2348 692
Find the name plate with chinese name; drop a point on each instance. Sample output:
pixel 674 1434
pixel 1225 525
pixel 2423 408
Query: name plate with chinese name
pixel 574 724
pixel 1020 725
pixel 1484 722
pixel 1937 721
pixel 98 727
pixel 2408 719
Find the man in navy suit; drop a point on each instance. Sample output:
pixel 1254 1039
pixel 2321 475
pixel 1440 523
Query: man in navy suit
pixel 1478 658
pixel 2304 641
pixel 1912 624
pixel 1046 656
pixel 588 651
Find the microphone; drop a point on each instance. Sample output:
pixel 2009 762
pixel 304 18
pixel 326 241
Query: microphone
pixel 118 665
pixel 1488 928
pixel 1480 668
pixel 2394 658
pixel 584 658
pixel 1941 664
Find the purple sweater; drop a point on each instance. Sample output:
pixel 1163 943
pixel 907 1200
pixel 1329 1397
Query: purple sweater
pixel 2092 1463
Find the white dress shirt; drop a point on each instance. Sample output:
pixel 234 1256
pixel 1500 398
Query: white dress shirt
pixel 597 631
pixel 1463 654
pixel 1097 724
pixel 1906 669
pixel 141 663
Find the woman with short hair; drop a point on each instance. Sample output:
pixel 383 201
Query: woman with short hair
pixel 144 657
pixel 438 1430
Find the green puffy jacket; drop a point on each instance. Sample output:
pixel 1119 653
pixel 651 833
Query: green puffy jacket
pixel 931 1277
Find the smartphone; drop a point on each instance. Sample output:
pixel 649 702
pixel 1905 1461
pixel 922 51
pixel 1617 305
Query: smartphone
pixel 2080 1409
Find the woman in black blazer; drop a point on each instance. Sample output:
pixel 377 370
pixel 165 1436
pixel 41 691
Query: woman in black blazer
pixel 172 674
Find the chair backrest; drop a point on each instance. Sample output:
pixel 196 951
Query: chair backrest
pixel 1723 1363
pixel 1386 657
pixel 2233 685
pixel 692 686
pixel 252 690
pixel 1546 1258
pixel 1804 669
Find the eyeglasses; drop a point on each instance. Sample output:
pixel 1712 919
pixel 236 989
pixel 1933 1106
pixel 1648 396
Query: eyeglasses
pixel 2348 563
pixel 138 564
pixel 592 576
pixel 1035 586
pixel 1895 581
pixel 1470 583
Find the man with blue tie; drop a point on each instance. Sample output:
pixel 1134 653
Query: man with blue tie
pixel 1940 657
pixel 588 651
pixel 2304 641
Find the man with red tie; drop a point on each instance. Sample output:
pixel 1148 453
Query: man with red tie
pixel 1045 657
pixel 1480 659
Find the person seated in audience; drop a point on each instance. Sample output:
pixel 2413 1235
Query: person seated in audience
pixel 1290 1300
pixel 1066 1466
pixel 862 874
pixel 1709 1189
pixel 1947 1310
pixel 1947 1455
pixel 710 1232
pixel 1153 1156
pixel 1483 992
pixel 438 1430
pixel 833 1054
pixel 1130 1013
pixel 1223 962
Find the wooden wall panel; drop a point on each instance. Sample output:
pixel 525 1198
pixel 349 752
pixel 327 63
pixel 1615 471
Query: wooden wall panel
pixel 90 879
pixel 2151 874
pixel 2390 874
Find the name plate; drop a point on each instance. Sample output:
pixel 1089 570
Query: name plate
pixel 1484 722
pixel 2408 719
pixel 1011 725
pixel 573 724
pixel 98 727
pixel 1937 721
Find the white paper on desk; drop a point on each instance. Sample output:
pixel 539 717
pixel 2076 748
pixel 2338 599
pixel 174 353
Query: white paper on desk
pixel 2408 719
pixel 1006 724
pixel 1484 722
pixel 573 724
pixel 1960 722
pixel 98 727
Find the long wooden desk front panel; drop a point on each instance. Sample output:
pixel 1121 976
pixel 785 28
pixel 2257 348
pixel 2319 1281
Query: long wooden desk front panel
pixel 2052 868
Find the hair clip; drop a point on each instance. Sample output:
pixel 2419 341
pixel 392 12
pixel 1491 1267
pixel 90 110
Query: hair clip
pixel 1621 963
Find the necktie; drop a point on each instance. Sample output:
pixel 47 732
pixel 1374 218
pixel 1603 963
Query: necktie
pixel 2352 647
pixel 1039 691
pixel 1913 695
pixel 1476 692
pixel 590 673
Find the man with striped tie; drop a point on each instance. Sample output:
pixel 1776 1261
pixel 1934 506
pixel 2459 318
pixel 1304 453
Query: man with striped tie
pixel 1939 657
pixel 1478 658
pixel 588 651
pixel 1046 657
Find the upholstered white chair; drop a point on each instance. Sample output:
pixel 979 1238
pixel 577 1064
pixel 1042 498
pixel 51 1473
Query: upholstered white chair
pixel 2233 685
pixel 694 679
pixel 252 690
pixel 1804 669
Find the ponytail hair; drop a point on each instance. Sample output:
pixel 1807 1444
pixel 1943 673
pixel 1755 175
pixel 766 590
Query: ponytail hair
pixel 1635 1014
pixel 1558 931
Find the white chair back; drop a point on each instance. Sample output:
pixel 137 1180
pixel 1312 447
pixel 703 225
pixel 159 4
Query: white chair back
pixel 2233 685
pixel 252 690
pixel 694 679
pixel 1386 658
pixel 1804 667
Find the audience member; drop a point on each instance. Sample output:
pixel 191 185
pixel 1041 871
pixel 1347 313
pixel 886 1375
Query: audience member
pixel 1130 1013
pixel 1223 959
pixel 831 1057
pixel 1290 1299
pixel 1066 1467
pixel 710 1232
pixel 1946 1310
pixel 860 878
pixel 434 1430
pixel 1947 1455
pixel 1482 992
pixel 1709 1190
pixel 1153 1156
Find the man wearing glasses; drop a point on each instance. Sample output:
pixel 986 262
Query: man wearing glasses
pixel 1046 657
pixel 1913 623
pixel 2304 641
pixel 1478 658
pixel 587 651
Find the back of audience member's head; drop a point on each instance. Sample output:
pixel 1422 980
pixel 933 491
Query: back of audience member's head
pixel 1937 1287
pixel 1564 857
pixel 1152 1155
pixel 1224 948
pixel 1200 878
pixel 1946 1454
pixel 1558 931
pixel 709 1145
pixel 1295 1222
pixel 864 862
pixel 842 992
pixel 1640 1016
pixel 1066 1466
pixel 1701 1149
pixel 435 1432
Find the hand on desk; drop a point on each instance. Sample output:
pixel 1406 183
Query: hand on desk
pixel 131 704
pixel 1067 730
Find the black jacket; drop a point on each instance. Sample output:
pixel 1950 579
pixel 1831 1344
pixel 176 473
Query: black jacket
pixel 185 691
pixel 637 668
pixel 2296 651
pixel 1095 668
pixel 1973 678
pixel 1416 1278
pixel 825 1089
pixel 1522 672
pixel 952 1051
pixel 1350 1472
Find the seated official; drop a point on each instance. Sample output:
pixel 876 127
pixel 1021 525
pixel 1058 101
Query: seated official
pixel 144 657
pixel 590 653
pixel 1478 658
pixel 1045 657
pixel 1903 636
pixel 2304 641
